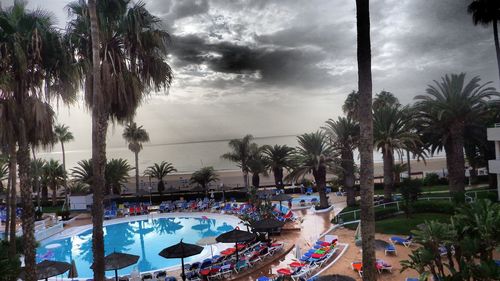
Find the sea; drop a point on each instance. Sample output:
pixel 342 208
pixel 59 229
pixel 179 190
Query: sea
pixel 185 156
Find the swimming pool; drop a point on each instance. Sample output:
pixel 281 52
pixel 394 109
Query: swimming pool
pixel 306 198
pixel 141 236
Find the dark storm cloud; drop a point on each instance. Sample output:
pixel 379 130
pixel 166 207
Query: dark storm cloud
pixel 273 65
pixel 188 8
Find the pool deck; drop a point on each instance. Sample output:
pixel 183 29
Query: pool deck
pixel 310 224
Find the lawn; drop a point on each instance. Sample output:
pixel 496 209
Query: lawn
pixel 401 225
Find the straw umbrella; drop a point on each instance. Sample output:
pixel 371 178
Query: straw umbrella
pixel 235 236
pixel 115 261
pixel 181 250
pixel 47 269
pixel 281 197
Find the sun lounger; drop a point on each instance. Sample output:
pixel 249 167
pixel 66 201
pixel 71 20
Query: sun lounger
pixel 263 278
pixel 357 266
pixel 390 249
pixel 383 266
pixel 240 265
pixel 309 191
pixel 147 276
pixel 411 279
pixel 331 238
pixel 170 278
pixel 402 241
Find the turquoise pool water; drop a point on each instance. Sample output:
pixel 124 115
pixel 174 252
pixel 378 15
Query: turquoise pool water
pixel 145 238
pixel 307 198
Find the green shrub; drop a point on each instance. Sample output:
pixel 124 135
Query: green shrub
pixel 431 179
pixel 434 207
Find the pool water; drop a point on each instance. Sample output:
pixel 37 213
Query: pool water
pixel 145 238
pixel 307 198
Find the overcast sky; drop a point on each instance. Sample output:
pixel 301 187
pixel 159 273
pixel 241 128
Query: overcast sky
pixel 284 67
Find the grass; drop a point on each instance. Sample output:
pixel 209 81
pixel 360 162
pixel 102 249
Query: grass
pixel 401 225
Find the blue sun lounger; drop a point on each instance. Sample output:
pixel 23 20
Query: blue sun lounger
pixel 402 241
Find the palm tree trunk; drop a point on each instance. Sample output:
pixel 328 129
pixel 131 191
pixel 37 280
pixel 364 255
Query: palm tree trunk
pixel 99 130
pixel 28 216
pixel 7 204
pixel 37 180
pixel 320 178
pixel 348 179
pixel 13 205
pixel 54 195
pixel 388 173
pixel 256 180
pixel 245 179
pixel 408 163
pixel 497 43
pixel 136 172
pixel 278 177
pixel 366 138
pixel 65 177
pixel 455 160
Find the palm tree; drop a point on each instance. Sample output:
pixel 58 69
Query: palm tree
pixel 384 99
pixel 314 155
pixel 278 158
pixel 487 12
pixel 135 136
pixel 366 138
pixel 83 172
pixel 240 154
pixel 351 105
pixel 393 130
pixel 257 164
pixel 128 54
pixel 116 174
pixel 159 171
pixel 36 68
pixel 63 135
pixel 445 111
pixel 55 175
pixel 204 177
pixel 36 177
pixel 344 136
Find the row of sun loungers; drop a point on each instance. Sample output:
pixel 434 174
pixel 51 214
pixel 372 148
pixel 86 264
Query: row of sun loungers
pixel 224 265
pixel 313 259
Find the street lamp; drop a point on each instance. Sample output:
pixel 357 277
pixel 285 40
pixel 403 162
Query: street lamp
pixel 150 201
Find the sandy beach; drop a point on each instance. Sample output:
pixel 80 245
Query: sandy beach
pixel 234 178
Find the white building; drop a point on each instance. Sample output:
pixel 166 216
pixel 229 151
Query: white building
pixel 494 165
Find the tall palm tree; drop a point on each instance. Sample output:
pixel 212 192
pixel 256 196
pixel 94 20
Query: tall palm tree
pixel 393 131
pixel 344 136
pixel 128 55
pixel 55 175
pixel 240 154
pixel 366 137
pixel 159 171
pixel 445 111
pixel 487 12
pixel 314 155
pixel 64 135
pixel 278 158
pixel 204 177
pixel 135 136
pixel 36 67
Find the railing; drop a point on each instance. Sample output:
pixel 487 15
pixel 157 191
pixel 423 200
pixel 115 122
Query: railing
pixel 436 198
pixel 355 212
pixel 472 194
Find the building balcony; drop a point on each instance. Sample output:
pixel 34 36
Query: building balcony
pixel 494 166
pixel 494 133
